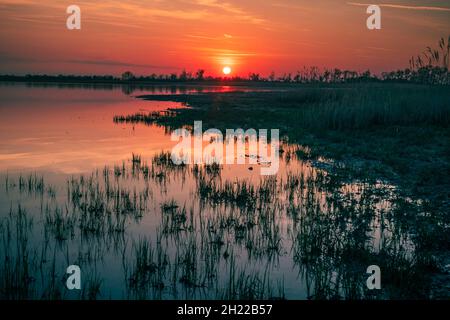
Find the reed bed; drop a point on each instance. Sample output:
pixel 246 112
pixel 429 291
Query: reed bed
pixel 228 241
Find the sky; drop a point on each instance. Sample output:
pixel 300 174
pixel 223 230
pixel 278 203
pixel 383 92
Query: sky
pixel 160 36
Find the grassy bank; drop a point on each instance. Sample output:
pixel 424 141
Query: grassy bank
pixel 395 132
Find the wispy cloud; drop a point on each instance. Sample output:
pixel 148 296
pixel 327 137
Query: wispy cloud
pixel 231 9
pixel 119 11
pixel 104 62
pixel 227 52
pixel 10 58
pixel 216 38
pixel 399 6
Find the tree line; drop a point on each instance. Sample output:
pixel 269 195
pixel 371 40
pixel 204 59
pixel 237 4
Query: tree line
pixel 430 67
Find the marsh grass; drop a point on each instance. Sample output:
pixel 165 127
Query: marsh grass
pixel 228 241
pixel 387 129
pixel 149 269
pixel 16 280
pixel 339 107
pixel 32 184
pixel 240 193
pixel 60 223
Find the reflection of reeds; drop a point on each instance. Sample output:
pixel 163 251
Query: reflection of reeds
pixel 163 159
pixel 174 219
pixel 32 184
pixel 61 224
pixel 245 286
pixel 148 271
pixel 136 159
pixel 148 118
pixel 226 242
pixel 16 280
pixel 241 193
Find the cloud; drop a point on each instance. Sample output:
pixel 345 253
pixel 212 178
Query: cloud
pixel 203 37
pixel 230 9
pixel 195 36
pixel 228 52
pixel 115 63
pixel 11 58
pixel 399 6
pixel 119 12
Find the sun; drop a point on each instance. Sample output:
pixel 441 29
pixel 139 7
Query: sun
pixel 226 70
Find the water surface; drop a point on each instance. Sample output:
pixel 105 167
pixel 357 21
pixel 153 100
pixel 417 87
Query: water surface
pixel 71 193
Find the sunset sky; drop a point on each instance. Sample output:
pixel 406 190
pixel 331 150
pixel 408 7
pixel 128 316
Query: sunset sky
pixel 249 36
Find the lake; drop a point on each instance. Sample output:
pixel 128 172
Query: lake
pixel 78 188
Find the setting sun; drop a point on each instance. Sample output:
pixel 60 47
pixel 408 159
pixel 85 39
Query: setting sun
pixel 225 151
pixel 226 70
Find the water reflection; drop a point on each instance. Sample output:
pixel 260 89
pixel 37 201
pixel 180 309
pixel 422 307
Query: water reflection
pixel 77 188
pixel 71 130
pixel 138 89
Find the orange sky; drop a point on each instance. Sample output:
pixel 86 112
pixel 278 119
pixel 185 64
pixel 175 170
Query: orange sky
pixel 249 35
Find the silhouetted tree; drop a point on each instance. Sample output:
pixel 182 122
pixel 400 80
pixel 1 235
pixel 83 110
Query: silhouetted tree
pixel 254 76
pixel 271 76
pixel 127 76
pixel 199 75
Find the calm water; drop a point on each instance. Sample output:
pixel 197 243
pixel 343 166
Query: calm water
pixel 71 194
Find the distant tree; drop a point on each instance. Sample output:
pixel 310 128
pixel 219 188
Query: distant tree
pixel 184 76
pixel 287 77
pixel 254 76
pixel 173 77
pixel 200 74
pixel 326 76
pixel 272 76
pixel 337 74
pixel 366 75
pixel 127 75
